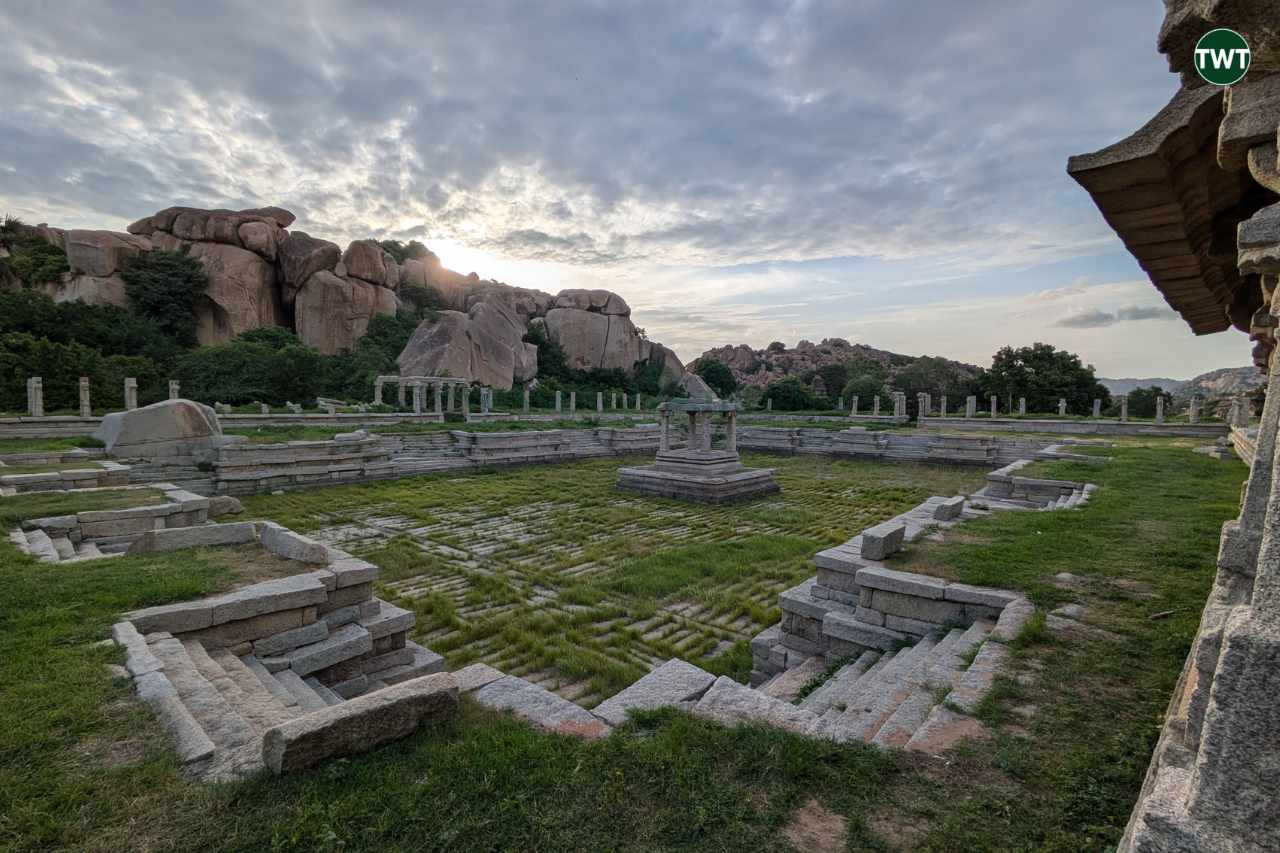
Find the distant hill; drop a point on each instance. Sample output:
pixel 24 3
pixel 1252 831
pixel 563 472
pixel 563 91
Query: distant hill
pixel 759 367
pixel 1216 384
pixel 1124 386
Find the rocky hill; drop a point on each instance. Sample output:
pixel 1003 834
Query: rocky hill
pixel 1124 386
pixel 759 367
pixel 261 274
pixel 1218 384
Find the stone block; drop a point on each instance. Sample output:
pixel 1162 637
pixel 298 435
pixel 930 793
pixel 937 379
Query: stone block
pixel 345 597
pixel 915 627
pixel 288 640
pixel 984 595
pixel 346 642
pixel 424 662
pixel 389 620
pixel 1015 615
pixel 174 538
pixel 387 660
pixel 360 724
pixel 672 682
pixel 844 627
pixel 270 596
pixel 869 615
pixel 352 687
pixel 764 641
pixel 228 634
pixel 730 703
pixel 190 741
pixel 351 571
pixel 541 707
pixel 475 676
pixel 882 540
pixel 914 607
pixel 907 583
pixel 949 509
pixel 175 618
pixel 292 546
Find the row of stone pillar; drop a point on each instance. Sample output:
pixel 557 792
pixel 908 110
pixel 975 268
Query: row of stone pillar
pixel 573 401
pixel 700 431
pixel 35 396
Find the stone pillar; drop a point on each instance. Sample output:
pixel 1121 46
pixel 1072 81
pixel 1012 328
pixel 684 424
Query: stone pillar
pixel 417 398
pixel 466 401
pixel 573 403
pixel 400 394
pixel 1062 406
pixel 1124 408
pixel 599 401
pixel 706 431
pixel 1193 411
pixel 693 431
pixel 437 389
pixel 86 410
pixel 995 407
pixel 840 405
pixel 638 398
pixel 486 400
pixel 1022 405
pixel 35 397
pixel 377 392
pixel 768 405
pixel 525 404
pixel 970 406
pixel 557 401
pixel 1241 418
pixel 130 393
pixel 942 406
pixel 449 402
pixel 922 408
pixel 626 401
pixel 875 406
pixel 731 431
pixel 613 400
pixel 1159 408
pixel 173 389
pixel 664 426
pixel 1097 408
pixel 853 410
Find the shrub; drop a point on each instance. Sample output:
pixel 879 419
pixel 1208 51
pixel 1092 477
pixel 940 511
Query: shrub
pixel 165 286
pixel 717 375
pixel 265 365
pixel 791 395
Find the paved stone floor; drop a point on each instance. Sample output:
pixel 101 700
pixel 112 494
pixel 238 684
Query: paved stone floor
pixel 550 573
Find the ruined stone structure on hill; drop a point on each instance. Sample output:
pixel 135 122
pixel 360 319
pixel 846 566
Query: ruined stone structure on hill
pixel 1195 196
pixel 261 274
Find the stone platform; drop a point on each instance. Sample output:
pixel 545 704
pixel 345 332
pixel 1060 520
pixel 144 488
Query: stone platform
pixel 704 476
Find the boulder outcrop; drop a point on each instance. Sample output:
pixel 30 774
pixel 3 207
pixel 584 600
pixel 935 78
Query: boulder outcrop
pixel 331 313
pixel 260 274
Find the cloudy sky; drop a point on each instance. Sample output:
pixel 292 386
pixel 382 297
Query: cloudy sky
pixel 888 172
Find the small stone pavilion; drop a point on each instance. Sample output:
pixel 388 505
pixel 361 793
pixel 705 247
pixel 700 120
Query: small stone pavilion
pixel 698 472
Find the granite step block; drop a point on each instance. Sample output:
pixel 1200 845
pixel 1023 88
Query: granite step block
pixel 672 682
pixel 190 741
pixel 786 685
pixel 541 707
pixel 388 620
pixel 269 681
pixel 209 707
pixel 260 706
pixel 730 703
pixel 820 700
pixel 425 662
pixel 346 642
pixel 327 696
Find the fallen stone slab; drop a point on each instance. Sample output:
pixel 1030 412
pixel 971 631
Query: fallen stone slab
pixel 729 702
pixel 672 682
pixel 346 642
pixel 882 540
pixel 359 724
pixel 174 538
pixel 540 707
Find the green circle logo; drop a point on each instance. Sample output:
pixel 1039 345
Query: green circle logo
pixel 1222 57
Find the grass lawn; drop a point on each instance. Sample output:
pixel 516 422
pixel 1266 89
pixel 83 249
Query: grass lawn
pixel 35 445
pixel 15 509
pixel 84 767
pixel 272 434
pixel 549 572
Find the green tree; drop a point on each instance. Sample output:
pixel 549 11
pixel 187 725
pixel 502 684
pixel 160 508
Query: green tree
pixel 717 375
pixel 267 365
pixel 165 286
pixel 933 376
pixel 864 386
pixel 791 395
pixel 1142 401
pixel 1043 375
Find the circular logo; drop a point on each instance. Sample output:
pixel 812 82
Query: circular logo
pixel 1222 57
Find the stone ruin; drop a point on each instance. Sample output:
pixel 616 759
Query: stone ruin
pixel 698 472
pixel 1195 196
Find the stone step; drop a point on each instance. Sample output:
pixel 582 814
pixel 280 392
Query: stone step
pixel 269 681
pixel 729 702
pixel 848 690
pixel 237 748
pixel 326 695
pixel 425 662
pixel 544 708
pixel 863 719
pixel 88 551
pixel 63 546
pixel 261 707
pixel 305 698
pixel 40 546
pixel 343 643
pixel 820 700
pixel 786 685
pixel 259 717
pixel 935 673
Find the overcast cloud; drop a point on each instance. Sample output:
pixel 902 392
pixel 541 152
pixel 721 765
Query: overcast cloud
pixel 738 171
